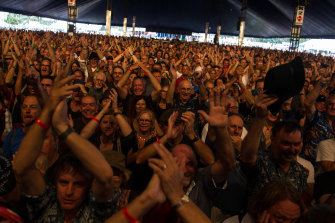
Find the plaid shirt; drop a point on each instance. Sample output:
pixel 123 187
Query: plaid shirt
pixel 45 208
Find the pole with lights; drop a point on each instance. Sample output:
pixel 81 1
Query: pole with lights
pixel 298 19
pixel 72 17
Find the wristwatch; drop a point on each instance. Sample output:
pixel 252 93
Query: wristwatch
pixel 184 199
pixel 66 133
pixel 196 138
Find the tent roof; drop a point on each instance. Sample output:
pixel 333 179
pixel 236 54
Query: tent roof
pixel 265 18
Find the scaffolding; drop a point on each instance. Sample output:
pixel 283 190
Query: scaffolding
pixel 72 17
pixel 298 19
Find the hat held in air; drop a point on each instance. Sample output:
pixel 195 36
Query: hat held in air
pixel 284 81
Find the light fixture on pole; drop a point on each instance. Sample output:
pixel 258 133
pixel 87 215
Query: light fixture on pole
pixel 72 17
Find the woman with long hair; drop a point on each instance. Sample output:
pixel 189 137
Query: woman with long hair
pixel 143 134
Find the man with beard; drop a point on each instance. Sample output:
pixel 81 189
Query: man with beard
pixel 279 162
pixel 30 110
pixel 99 84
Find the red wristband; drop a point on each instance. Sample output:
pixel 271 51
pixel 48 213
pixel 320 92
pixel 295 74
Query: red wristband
pixel 243 90
pixel 95 119
pixel 43 125
pixel 129 218
pixel 129 69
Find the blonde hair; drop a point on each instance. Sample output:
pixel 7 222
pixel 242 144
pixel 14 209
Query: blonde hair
pixel 136 120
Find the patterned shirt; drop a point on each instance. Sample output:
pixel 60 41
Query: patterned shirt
pixel 320 129
pixel 267 170
pixel 45 208
pixel 8 122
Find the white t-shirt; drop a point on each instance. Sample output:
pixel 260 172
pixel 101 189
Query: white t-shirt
pixel 326 151
pixel 309 166
pixel 246 219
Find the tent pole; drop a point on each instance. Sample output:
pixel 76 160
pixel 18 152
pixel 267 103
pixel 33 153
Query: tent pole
pixel 206 31
pixel 124 26
pixel 108 17
pixel 298 19
pixel 241 35
pixel 134 21
pixel 241 20
pixel 218 31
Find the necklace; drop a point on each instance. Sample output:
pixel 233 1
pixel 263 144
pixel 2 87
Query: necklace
pixel 141 138
pixel 145 138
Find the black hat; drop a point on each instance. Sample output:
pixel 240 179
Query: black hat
pixel 284 81
pixel 93 55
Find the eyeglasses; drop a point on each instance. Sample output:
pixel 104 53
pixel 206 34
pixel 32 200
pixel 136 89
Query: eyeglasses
pixel 144 120
pixel 232 107
pixel 186 89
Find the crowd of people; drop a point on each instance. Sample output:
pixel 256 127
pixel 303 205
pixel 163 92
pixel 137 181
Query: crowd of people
pixel 121 129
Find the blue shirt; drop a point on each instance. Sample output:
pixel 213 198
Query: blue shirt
pixel 13 142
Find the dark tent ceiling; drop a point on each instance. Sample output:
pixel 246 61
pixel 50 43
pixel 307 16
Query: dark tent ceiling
pixel 265 18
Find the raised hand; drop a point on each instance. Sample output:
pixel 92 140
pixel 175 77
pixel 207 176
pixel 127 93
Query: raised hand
pixel 106 108
pixel 218 116
pixel 170 174
pixel 188 118
pixel 154 190
pixel 173 71
pixel 113 97
pixel 60 117
pixel 262 102
pixel 172 119
pixel 59 91
pixel 265 217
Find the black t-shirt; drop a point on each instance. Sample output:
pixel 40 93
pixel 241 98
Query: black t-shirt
pixel 324 184
pixel 141 173
pixel 74 115
pixel 78 125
